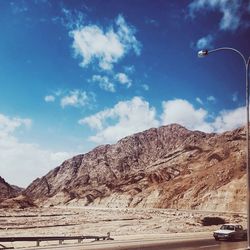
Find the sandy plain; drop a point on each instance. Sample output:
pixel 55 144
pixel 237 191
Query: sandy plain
pixel 121 223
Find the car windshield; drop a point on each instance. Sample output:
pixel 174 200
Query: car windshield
pixel 227 227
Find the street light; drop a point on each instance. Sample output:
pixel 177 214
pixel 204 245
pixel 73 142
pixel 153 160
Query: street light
pixel 204 53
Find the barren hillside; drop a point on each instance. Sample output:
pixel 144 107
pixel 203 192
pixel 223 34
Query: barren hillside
pixel 7 190
pixel 168 167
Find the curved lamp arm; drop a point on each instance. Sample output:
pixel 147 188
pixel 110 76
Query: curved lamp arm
pixel 205 52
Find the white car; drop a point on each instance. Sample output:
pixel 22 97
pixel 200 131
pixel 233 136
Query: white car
pixel 230 232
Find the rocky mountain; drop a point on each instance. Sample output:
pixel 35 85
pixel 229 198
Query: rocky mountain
pixel 7 190
pixel 11 196
pixel 167 167
pixel 18 202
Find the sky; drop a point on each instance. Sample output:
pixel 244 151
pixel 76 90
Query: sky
pixel 82 73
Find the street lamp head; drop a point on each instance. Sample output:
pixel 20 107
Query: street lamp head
pixel 203 53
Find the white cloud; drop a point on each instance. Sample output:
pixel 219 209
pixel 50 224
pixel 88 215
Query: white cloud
pixel 49 98
pixel 9 125
pixel 126 34
pixel 182 112
pixel 92 43
pixel 123 79
pixel 211 98
pixel 104 83
pixel 98 120
pixel 199 100
pixel 22 162
pixel 72 18
pixel 205 42
pixel 135 115
pixel 128 117
pixel 232 11
pixel 229 119
pixel 75 98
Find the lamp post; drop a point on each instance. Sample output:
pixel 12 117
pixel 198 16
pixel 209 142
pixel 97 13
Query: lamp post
pixel 204 53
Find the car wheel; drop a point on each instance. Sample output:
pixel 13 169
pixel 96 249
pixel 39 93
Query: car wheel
pixel 231 238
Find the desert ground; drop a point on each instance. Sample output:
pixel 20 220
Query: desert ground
pixel 121 223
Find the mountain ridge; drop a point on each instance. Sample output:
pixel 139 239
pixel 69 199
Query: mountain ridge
pixel 7 190
pixel 158 167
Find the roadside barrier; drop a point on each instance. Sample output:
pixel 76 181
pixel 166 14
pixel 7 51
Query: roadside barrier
pixel 60 239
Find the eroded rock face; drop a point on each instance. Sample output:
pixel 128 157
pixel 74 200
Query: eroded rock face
pixel 7 190
pixel 168 167
pixel 19 202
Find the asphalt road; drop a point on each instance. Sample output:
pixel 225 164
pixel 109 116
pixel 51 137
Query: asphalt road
pixel 191 245
pixel 200 244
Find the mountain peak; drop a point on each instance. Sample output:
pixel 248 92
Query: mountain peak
pixel 169 166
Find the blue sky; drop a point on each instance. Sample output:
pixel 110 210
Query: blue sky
pixel 77 74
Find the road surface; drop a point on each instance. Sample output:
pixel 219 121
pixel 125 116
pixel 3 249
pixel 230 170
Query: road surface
pixel 178 244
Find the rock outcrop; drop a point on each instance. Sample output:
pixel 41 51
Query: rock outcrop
pixel 19 202
pixel 167 167
pixel 7 190
pixel 11 196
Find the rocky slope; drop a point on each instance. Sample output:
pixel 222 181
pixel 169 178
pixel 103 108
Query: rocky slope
pixel 7 190
pixel 18 202
pixel 168 167
pixel 11 196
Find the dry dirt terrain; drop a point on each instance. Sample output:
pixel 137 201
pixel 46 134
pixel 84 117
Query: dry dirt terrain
pixel 70 221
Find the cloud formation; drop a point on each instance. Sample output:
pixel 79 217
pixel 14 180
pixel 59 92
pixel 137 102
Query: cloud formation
pixel 232 12
pixel 127 117
pixel 205 42
pixel 135 115
pixel 182 112
pixel 9 125
pixel 123 79
pixel 107 83
pixel 230 119
pixel 104 83
pixel 75 98
pixel 17 157
pixel 106 47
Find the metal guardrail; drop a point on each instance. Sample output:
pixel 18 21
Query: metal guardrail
pixel 61 239
pixel 4 247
